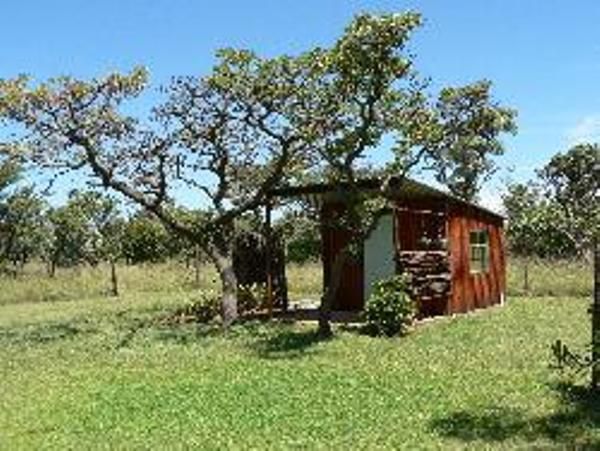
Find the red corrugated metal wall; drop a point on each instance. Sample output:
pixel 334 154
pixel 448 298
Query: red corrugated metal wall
pixel 469 291
pixel 475 290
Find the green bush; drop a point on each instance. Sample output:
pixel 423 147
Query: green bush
pixel 390 310
pixel 203 307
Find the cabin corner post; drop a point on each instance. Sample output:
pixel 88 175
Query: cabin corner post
pixel 269 255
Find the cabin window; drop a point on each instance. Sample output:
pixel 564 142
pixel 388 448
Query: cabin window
pixel 479 242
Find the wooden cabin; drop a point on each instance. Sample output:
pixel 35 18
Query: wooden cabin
pixel 452 249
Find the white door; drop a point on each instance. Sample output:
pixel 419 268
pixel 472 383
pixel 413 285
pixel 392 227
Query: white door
pixel 379 261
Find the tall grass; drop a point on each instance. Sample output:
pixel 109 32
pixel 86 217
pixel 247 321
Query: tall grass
pixel 304 281
pixel 536 277
pixel 85 282
pixel 560 278
pixel 555 278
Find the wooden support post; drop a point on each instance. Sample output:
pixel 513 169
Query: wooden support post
pixel 269 257
pixel 596 319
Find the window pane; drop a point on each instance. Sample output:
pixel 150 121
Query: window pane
pixel 479 251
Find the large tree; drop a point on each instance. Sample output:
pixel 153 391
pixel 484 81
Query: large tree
pixel 253 124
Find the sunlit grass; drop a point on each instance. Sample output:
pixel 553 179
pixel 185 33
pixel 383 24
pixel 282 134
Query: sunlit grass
pixel 106 373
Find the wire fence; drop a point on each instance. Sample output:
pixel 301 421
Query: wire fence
pixel 544 277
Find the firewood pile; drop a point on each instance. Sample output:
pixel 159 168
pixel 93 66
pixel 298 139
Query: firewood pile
pixel 429 273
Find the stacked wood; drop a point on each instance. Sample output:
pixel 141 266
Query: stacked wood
pixel 430 279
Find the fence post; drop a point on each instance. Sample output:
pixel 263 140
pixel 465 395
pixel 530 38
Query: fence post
pixel 596 318
pixel 526 275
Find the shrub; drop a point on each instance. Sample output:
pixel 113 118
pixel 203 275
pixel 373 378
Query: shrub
pixel 203 307
pixel 390 309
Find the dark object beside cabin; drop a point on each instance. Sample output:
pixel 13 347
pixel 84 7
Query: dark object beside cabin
pixel 250 254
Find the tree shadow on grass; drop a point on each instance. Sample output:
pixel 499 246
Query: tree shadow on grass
pixel 45 333
pixel 276 339
pixel 288 344
pixel 577 421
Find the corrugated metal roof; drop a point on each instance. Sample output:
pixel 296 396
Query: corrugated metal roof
pixel 408 188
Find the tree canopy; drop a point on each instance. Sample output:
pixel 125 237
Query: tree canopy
pixel 558 214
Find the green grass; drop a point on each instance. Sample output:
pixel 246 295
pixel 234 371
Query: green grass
pixel 104 373
pixel 79 369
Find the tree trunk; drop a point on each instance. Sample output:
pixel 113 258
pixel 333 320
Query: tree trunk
pixel 229 310
pixel 331 290
pixel 22 263
pixel 113 279
pixel 596 319
pixel 52 271
pixel 229 285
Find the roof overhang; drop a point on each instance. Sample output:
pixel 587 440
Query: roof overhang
pixel 406 188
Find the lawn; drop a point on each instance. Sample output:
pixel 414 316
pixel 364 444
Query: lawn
pixel 106 373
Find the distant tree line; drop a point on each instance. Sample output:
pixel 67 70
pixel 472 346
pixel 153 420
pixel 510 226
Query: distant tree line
pixel 88 228
pixel 552 216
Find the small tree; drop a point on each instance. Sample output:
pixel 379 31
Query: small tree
pixel 69 237
pixel 536 226
pixel 572 181
pixel 145 239
pixel 104 230
pixel 87 228
pixel 22 227
pixel 554 216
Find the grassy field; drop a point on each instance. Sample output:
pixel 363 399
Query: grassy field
pixel 96 372
pixel 567 279
pixel 554 278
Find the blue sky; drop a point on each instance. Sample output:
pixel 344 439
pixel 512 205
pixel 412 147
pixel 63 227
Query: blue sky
pixel 543 56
